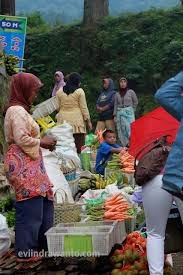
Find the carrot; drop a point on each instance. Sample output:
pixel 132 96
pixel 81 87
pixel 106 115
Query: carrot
pixel 108 215
pixel 123 208
pixel 116 206
pixel 114 203
pixel 116 214
pixel 117 201
pixel 113 197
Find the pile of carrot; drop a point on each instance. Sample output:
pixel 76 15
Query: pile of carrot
pixel 127 162
pixel 116 208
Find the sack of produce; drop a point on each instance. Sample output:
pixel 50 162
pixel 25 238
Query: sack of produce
pixel 65 146
pixel 56 176
pixel 5 240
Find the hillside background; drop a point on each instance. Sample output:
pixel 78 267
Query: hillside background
pixel 145 47
pixel 68 11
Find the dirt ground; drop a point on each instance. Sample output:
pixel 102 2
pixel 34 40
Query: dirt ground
pixel 178 263
pixel 82 267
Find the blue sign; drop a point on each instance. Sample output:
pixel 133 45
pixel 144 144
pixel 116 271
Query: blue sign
pixel 12 35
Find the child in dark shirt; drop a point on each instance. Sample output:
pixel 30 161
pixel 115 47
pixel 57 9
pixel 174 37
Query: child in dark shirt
pixel 105 151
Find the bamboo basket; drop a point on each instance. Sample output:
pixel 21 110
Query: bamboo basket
pixel 66 212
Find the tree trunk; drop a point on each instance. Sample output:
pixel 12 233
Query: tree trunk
pixel 4 88
pixel 181 1
pixel 8 7
pixel 95 10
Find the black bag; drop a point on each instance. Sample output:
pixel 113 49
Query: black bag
pixel 174 233
pixel 152 161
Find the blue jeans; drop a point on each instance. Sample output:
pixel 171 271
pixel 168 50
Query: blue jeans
pixel 33 218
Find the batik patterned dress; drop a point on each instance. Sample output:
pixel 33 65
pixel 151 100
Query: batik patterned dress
pixel 24 165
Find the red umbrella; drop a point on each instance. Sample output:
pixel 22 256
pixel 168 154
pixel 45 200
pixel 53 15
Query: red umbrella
pixel 151 126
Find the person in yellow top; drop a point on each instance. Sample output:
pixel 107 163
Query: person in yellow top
pixel 73 109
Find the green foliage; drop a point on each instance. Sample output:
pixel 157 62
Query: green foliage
pixel 36 23
pixel 8 210
pixel 146 104
pixel 147 48
pixel 11 217
pixel 4 88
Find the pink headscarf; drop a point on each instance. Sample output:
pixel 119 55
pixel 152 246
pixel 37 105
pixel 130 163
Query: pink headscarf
pixel 59 84
pixel 22 87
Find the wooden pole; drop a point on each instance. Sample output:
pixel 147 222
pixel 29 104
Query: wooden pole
pixel 4 88
pixel 8 7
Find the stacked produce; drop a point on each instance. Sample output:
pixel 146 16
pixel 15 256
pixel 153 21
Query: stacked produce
pixel 113 208
pixel 11 63
pixel 123 161
pixel 95 212
pixel 131 258
pixel 115 163
pixel 99 182
pixel 129 262
pixel 117 208
pixel 127 162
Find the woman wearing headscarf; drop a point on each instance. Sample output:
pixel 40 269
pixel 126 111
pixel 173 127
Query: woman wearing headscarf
pixel 105 106
pixel 59 82
pixel 74 110
pixel 125 106
pixel 25 169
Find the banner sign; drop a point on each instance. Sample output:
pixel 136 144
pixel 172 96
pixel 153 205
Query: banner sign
pixel 12 35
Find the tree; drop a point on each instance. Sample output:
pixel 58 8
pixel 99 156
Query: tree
pixel 95 10
pixel 8 7
pixel 181 2
pixel 4 88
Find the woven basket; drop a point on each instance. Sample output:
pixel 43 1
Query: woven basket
pixel 66 212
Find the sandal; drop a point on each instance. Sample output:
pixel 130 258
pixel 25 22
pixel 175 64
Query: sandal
pixel 27 260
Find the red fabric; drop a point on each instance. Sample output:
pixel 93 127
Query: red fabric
pixel 151 126
pixel 23 85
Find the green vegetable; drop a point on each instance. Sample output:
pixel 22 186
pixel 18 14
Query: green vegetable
pixel 10 217
pixel 7 209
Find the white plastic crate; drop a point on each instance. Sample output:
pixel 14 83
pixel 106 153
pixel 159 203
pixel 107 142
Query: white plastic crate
pixel 119 228
pixel 46 108
pixel 91 239
pixel 120 232
pixel 130 225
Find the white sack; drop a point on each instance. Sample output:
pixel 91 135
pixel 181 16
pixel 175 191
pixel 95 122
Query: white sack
pixel 56 176
pixel 65 146
pixel 5 240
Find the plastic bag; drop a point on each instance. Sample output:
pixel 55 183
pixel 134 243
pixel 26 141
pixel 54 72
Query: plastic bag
pixel 100 199
pixel 91 194
pixel 90 138
pixel 86 158
pixel 5 240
